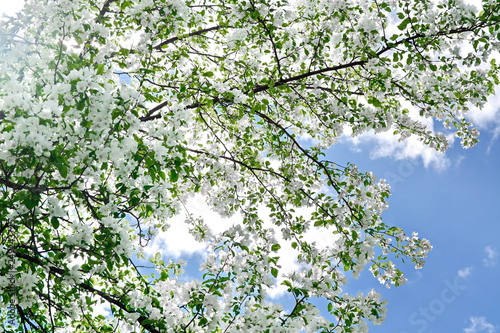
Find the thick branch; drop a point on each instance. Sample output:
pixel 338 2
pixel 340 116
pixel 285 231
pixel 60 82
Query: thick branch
pixel 105 9
pixel 195 33
pixel 15 186
pixel 87 287
pixel 260 88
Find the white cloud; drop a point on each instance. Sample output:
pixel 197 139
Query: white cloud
pixel 388 145
pixel 496 134
pixel 465 272
pixel 178 243
pixel 491 256
pixel 288 256
pixel 10 7
pixel 488 118
pixel 99 308
pixel 415 277
pixel 479 324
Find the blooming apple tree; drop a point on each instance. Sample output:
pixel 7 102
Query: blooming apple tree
pixel 113 113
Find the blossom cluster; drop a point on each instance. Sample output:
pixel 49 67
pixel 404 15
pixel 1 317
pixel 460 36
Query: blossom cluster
pixel 115 113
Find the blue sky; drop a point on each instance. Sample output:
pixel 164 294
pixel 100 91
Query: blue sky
pixel 453 200
pixel 457 208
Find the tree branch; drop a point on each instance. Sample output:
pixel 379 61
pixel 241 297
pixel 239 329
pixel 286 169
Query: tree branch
pixel 87 287
pixel 195 33
pixel 15 186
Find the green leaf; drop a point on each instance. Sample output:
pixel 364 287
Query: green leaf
pixel 174 176
pixel 275 247
pixel 80 105
pixel 374 101
pixel 274 272
pixel 30 203
pixel 54 221
pixel 404 24
pixel 63 170
pixel 100 69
